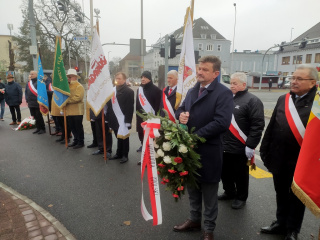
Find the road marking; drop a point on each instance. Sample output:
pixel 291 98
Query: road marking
pixel 259 173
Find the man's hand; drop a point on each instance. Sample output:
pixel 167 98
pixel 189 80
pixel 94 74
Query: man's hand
pixel 249 152
pixel 184 117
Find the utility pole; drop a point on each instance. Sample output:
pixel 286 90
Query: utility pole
pixel 141 46
pixel 33 47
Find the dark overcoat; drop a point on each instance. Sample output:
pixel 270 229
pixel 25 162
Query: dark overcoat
pixel 125 97
pixel 210 114
pixel 31 99
pixel 279 148
pixel 13 94
pixel 171 99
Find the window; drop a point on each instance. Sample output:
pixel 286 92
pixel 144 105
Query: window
pixel 219 48
pixel 317 58
pixel 203 36
pixel 200 46
pixel 213 36
pixel 285 60
pixel 209 47
pixel 297 59
pixel 308 58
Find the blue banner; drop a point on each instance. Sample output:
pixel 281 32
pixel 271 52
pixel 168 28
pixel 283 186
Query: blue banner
pixel 42 90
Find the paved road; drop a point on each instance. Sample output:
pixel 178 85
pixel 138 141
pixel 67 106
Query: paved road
pixel 93 199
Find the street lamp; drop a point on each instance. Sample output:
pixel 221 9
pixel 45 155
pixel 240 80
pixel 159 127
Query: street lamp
pixel 108 56
pixel 10 27
pixel 234 34
pixel 276 45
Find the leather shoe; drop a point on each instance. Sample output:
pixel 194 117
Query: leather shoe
pixel 72 144
pixel 78 146
pixel 98 152
pixel 139 149
pixel 124 160
pixel 92 145
pixel 207 236
pixel 42 131
pixel 225 196
pixel 274 228
pixel 238 204
pixel 291 236
pixel 13 123
pixel 187 226
pixel 64 141
pixel 115 157
pixel 36 131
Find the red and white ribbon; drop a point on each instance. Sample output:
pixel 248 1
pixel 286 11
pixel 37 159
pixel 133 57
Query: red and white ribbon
pixel 50 87
pixel 148 161
pixel 144 102
pixel 237 132
pixel 32 88
pixel 167 106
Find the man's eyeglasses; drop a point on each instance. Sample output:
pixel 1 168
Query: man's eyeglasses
pixel 298 79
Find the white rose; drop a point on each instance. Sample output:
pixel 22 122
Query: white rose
pixel 155 145
pixel 156 155
pixel 160 153
pixel 166 146
pixel 183 148
pixel 167 159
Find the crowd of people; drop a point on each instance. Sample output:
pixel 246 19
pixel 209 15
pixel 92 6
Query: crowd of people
pixel 231 121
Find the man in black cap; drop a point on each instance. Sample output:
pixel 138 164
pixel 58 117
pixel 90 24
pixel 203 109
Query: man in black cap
pixel 148 100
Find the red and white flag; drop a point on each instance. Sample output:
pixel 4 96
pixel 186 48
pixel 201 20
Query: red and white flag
pixel 187 65
pixel 100 87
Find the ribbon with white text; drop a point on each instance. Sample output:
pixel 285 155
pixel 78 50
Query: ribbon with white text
pixel 148 161
pixel 144 102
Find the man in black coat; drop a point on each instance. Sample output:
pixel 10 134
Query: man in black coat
pixel 2 100
pixel 13 96
pixel 208 107
pixel 280 149
pixel 147 95
pixel 240 141
pixel 31 98
pixel 170 91
pixel 119 116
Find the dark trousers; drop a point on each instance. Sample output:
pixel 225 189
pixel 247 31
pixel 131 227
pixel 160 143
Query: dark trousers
pixel 13 110
pixel 208 192
pixel 140 134
pixel 94 134
pixel 99 134
pixel 235 175
pixel 75 123
pixel 60 120
pixel 290 210
pixel 56 122
pixel 122 146
pixel 35 112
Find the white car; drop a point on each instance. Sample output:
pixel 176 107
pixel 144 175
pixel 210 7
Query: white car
pixel 287 84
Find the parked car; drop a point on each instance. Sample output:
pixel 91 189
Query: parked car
pixel 287 84
pixel 226 78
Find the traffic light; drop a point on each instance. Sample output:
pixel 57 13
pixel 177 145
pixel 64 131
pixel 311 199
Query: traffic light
pixel 76 68
pixel 162 52
pixel 173 47
pixel 62 6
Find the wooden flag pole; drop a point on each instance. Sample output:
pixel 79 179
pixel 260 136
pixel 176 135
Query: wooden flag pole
pixel 65 126
pixel 104 136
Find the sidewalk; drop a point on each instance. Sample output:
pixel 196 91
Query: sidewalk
pixel 21 219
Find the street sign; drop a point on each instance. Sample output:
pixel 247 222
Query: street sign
pixel 81 38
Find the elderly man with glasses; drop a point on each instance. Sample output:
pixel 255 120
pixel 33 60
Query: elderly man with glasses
pixel 280 149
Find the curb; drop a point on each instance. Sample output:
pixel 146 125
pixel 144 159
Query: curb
pixel 42 211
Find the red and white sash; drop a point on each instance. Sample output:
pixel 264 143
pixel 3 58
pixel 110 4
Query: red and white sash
pixel 167 106
pixel 123 131
pixel 50 87
pixel 294 119
pixel 32 88
pixel 237 132
pixel 144 102
pixel 148 161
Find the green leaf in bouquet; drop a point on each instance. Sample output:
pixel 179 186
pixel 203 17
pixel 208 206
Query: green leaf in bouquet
pixel 180 167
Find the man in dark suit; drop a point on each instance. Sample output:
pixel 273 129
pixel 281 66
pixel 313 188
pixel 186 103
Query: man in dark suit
pixel 148 99
pixel 119 116
pixel 170 91
pixel 280 149
pixel 208 107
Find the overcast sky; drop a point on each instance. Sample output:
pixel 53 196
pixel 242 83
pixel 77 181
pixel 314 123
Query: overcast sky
pixel 259 23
